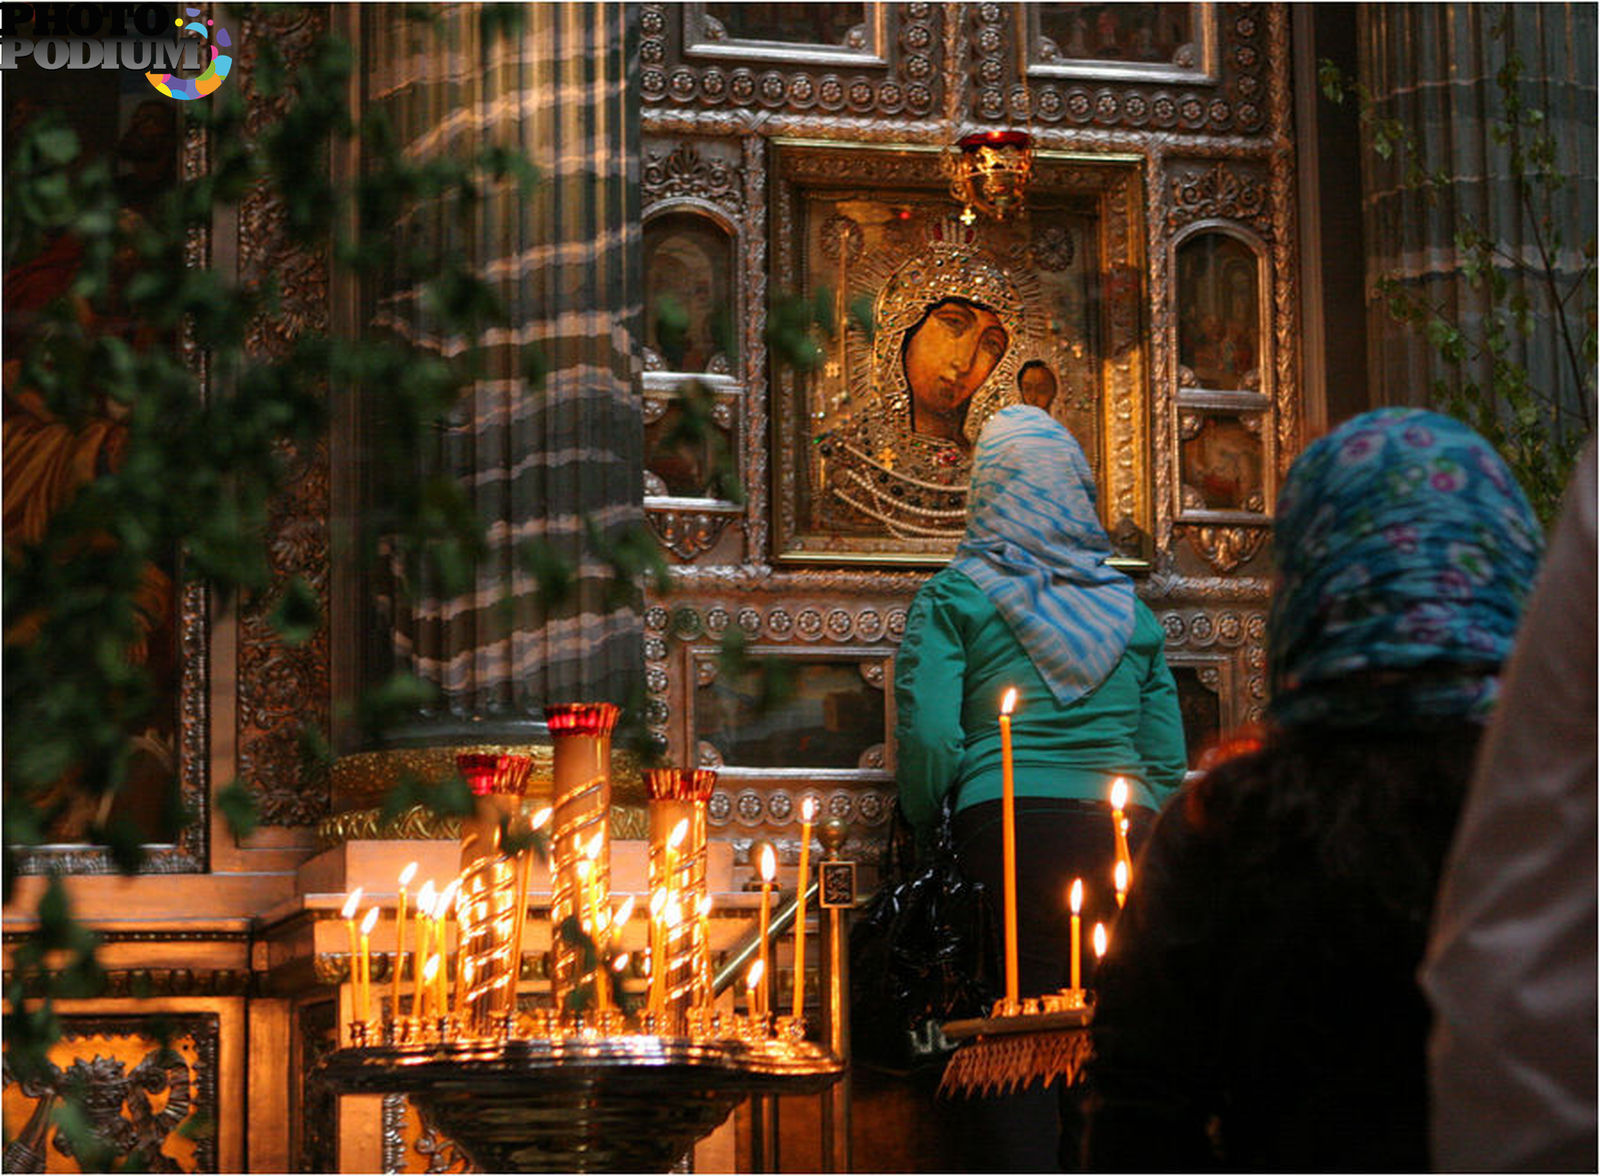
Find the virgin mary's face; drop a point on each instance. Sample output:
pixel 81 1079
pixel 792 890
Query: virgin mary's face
pixel 949 354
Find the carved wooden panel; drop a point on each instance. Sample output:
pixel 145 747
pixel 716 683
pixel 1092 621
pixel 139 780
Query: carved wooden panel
pixel 148 1085
pixel 903 79
pixel 1222 90
pixel 282 687
pixel 317 1105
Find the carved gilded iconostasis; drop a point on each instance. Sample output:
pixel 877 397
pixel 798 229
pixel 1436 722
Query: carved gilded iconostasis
pixel 795 152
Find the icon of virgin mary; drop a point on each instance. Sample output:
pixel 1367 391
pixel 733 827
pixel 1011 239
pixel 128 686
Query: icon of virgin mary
pixel 950 326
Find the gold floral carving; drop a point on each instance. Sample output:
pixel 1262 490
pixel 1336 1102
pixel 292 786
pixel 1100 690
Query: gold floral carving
pixel 1225 548
pixel 420 823
pixel 1220 191
pixel 365 778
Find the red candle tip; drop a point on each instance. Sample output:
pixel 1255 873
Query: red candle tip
pixel 582 718
pixel 489 774
pixel 680 783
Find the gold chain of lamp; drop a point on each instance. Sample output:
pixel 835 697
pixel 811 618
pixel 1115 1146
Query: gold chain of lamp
pixel 989 170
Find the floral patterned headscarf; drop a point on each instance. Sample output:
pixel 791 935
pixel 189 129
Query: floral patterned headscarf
pixel 1404 550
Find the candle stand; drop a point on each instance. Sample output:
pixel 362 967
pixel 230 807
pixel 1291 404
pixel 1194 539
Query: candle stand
pixel 625 1103
pixel 586 1084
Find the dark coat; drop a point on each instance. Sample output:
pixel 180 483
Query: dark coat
pixel 1258 1008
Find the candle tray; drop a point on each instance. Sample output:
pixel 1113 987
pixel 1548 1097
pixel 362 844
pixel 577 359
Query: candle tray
pixel 629 1103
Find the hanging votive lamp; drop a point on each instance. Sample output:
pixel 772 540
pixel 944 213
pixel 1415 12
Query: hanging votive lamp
pixel 989 173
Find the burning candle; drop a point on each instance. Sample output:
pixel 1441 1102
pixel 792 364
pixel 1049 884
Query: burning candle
pixel 348 914
pixel 1120 877
pixel 755 989
pixel 429 971
pixel 703 956
pixel 807 812
pixel 425 900
pixel 367 924
pixel 1099 943
pixel 461 955
pixel 769 869
pixel 622 914
pixel 1076 903
pixel 1008 836
pixel 406 875
pixel 658 991
pixel 1119 824
pixel 441 916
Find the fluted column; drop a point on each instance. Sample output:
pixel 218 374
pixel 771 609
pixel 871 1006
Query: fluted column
pixel 552 464
pixel 1434 68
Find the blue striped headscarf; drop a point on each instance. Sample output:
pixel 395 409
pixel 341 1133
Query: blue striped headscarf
pixel 1035 545
pixel 1404 549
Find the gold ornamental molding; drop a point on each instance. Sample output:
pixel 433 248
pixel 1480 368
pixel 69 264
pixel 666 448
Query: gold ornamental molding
pixel 363 780
pixel 420 823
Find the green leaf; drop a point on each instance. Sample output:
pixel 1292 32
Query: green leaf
pixel 240 807
pixel 298 614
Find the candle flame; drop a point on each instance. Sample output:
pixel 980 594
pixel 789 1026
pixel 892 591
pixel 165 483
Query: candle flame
pixel 679 832
pixel 1119 794
pixel 658 899
pixel 430 969
pixel 447 896
pixel 752 978
pixel 808 810
pixel 769 863
pixel 425 897
pixel 1099 940
pixel 1008 701
pixel 596 844
pixel 441 906
pixel 371 921
pixel 348 911
pixel 542 818
pixel 624 912
pixel 1077 895
pixel 620 962
pixel 407 874
pixel 1121 877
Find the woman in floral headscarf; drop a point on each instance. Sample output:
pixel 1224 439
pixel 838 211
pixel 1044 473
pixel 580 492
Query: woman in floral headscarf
pixel 1259 1008
pixel 1029 602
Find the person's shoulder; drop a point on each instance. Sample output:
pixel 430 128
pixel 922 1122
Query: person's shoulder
pixel 1148 634
pixel 952 591
pixel 950 583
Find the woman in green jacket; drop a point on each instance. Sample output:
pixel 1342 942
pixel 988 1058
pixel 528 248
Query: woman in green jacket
pixel 1028 602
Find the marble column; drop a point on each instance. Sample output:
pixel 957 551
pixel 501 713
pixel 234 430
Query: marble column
pixel 552 463
pixel 1434 68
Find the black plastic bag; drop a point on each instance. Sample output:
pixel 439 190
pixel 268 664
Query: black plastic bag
pixel 923 951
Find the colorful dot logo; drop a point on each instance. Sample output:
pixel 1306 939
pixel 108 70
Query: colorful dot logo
pixel 187 89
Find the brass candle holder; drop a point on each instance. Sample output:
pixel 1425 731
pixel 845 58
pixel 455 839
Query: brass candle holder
pixel 677 799
pixel 486 975
pixel 581 737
